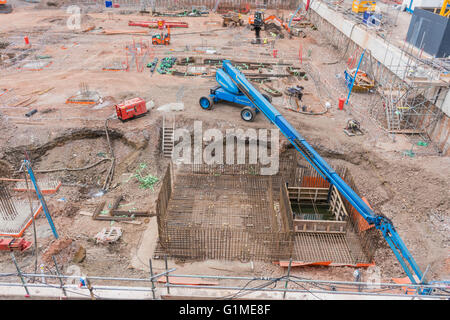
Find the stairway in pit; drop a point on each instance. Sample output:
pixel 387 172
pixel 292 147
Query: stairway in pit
pixel 168 136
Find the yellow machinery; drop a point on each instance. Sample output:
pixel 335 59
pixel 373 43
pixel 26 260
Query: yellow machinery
pixel 359 6
pixel 444 10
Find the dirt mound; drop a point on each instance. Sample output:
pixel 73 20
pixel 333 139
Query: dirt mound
pixel 63 209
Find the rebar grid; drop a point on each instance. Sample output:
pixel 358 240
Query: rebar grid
pixel 410 88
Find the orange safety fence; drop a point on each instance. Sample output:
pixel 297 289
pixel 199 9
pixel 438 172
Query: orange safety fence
pixel 406 280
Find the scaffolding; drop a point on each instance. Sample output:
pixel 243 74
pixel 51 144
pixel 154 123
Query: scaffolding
pixel 412 90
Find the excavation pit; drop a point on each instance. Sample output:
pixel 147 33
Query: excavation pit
pixel 231 213
pixel 15 214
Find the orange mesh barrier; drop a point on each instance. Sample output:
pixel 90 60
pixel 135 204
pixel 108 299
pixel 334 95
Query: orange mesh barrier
pixel 285 264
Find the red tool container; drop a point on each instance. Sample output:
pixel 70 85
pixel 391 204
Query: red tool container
pixel 131 109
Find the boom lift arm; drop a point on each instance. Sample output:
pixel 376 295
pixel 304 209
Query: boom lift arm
pixel 380 222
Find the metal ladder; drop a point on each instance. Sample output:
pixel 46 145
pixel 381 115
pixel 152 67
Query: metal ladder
pixel 393 119
pixel 168 136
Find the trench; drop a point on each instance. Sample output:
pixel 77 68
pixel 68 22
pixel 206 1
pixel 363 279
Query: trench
pixel 13 156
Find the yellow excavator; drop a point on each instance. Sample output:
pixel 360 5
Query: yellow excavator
pixel 4 7
pixel 445 10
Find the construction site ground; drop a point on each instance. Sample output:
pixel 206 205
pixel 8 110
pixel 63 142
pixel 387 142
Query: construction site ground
pixel 413 191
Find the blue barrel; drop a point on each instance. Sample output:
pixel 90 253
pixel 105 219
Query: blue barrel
pixel 108 4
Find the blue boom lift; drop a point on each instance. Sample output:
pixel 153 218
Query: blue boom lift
pixel 235 88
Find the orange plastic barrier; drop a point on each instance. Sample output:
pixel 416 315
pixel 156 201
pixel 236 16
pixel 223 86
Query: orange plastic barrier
pixel 361 223
pixel 18 235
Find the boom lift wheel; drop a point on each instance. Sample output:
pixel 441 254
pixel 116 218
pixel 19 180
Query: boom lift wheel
pixel 248 114
pixel 206 103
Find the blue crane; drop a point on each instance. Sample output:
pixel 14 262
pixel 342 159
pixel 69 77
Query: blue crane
pixel 234 87
pixel 27 165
